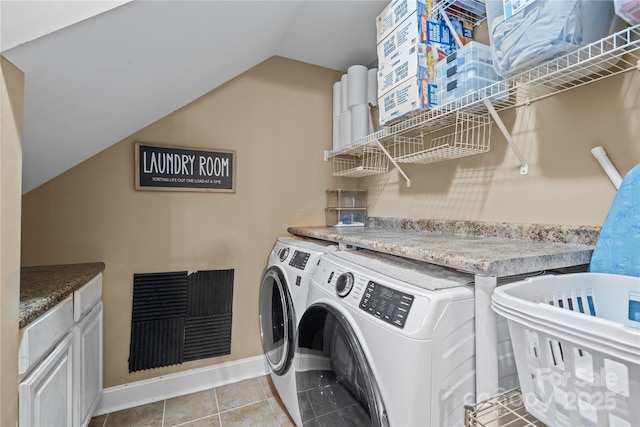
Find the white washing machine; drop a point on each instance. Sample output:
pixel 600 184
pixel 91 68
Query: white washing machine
pixel 283 297
pixel 385 341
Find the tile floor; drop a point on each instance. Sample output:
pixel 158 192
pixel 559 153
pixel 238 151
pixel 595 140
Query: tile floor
pixel 252 402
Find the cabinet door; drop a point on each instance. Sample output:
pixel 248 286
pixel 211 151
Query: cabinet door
pixel 88 365
pixel 46 395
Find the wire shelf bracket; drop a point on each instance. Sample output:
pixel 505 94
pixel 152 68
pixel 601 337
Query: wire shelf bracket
pixel 524 167
pixel 384 150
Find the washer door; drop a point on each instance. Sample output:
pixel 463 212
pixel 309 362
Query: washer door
pixel 334 381
pixel 276 320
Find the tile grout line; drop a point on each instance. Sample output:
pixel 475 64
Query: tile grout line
pixel 255 402
pixel 215 395
pixel 194 420
pixel 265 395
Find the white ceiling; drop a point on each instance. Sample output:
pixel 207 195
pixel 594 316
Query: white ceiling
pixel 92 83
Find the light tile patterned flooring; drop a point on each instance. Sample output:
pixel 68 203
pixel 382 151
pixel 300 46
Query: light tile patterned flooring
pixel 252 402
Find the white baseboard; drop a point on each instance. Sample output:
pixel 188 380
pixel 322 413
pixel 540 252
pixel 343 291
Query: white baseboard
pixel 178 384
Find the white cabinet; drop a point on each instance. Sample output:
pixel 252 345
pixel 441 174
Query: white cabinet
pixel 63 385
pixel 88 365
pixel 46 395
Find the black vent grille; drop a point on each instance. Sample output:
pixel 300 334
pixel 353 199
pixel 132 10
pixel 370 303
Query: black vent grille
pixel 210 293
pixel 159 296
pixel 207 337
pixel 157 343
pixel 178 317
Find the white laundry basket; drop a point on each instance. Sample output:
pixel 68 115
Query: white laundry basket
pixel 576 341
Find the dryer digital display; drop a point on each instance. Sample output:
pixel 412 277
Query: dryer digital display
pixel 387 304
pixel 299 260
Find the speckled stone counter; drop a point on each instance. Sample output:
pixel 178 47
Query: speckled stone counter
pixel 482 248
pixel 41 288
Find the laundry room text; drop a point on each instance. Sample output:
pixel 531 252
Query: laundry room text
pixel 179 169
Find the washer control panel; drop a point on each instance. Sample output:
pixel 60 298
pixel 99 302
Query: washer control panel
pixel 299 260
pixel 387 304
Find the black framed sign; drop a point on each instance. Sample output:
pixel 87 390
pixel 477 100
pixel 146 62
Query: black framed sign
pixel 164 168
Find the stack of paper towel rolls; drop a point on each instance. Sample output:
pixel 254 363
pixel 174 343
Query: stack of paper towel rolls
pixel 351 98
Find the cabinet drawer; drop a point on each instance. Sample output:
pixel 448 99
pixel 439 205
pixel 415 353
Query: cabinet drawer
pixel 86 297
pixel 43 334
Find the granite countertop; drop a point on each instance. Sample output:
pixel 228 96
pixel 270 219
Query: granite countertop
pixel 42 288
pixel 482 248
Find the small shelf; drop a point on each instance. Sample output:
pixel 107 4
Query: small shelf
pixel 471 135
pixel 610 56
pixel 363 162
pixel 346 209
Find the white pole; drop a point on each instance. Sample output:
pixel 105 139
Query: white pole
pixel 611 171
pixel 486 322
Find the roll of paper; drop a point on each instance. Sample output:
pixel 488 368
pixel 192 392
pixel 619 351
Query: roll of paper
pixel 359 122
pixel 344 87
pixel 337 107
pixel 357 91
pixel 337 142
pixel 372 86
pixel 345 129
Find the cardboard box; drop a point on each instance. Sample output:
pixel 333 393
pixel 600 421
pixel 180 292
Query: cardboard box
pixel 408 54
pixel 412 47
pixel 406 83
pixel 414 94
pixel 394 14
pixel 397 11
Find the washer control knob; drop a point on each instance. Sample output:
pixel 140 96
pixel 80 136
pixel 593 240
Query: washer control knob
pixel 284 253
pixel 344 284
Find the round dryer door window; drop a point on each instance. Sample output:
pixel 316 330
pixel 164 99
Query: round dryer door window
pixel 334 381
pixel 276 320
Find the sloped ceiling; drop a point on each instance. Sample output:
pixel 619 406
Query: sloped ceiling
pixel 91 84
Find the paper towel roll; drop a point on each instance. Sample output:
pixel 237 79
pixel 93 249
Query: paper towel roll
pixel 344 87
pixel 337 107
pixel 357 91
pixel 372 86
pixel 337 142
pixel 359 121
pixel 345 128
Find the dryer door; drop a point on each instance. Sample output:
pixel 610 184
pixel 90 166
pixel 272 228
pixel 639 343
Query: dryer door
pixel 276 320
pixel 334 381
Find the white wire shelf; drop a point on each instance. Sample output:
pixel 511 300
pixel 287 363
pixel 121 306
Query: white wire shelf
pixel 471 135
pixel 505 410
pixel 471 11
pixel 371 161
pixel 610 56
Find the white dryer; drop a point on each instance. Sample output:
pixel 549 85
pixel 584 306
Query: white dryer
pixel 283 297
pixel 385 341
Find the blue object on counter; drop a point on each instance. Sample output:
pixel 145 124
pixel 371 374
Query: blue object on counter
pixel 617 250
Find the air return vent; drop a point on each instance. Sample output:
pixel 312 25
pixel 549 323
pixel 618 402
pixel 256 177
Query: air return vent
pixel 178 317
pixel 208 320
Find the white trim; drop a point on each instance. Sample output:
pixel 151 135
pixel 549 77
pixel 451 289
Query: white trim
pixel 167 386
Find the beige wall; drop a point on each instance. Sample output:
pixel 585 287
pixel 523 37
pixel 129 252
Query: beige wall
pixel 277 118
pixel 11 115
pixel 565 184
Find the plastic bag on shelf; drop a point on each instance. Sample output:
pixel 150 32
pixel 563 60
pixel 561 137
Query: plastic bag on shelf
pixel 629 10
pixel 540 30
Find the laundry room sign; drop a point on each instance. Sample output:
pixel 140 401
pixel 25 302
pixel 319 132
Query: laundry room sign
pixel 164 168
